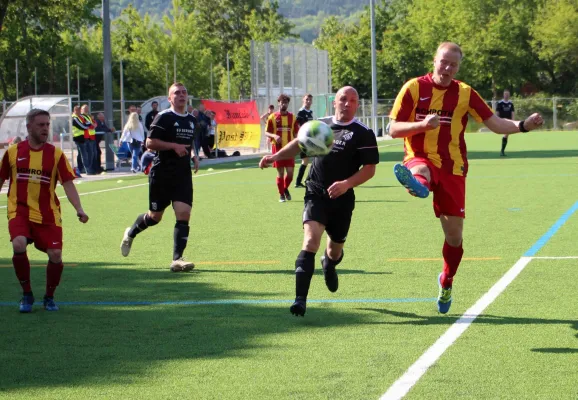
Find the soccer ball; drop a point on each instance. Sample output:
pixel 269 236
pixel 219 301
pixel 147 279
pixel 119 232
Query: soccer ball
pixel 315 138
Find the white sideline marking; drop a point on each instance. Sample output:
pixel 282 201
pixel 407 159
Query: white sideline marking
pixel 144 184
pixel 555 258
pixel 403 385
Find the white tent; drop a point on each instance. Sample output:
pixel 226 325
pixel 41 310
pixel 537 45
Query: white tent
pixel 13 121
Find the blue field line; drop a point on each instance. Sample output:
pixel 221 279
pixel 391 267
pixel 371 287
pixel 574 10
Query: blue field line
pixel 551 232
pixel 226 302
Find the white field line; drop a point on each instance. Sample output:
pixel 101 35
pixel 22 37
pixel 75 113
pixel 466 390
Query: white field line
pixel 145 184
pixel 555 258
pixel 404 384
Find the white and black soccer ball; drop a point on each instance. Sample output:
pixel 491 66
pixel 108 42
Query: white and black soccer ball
pixel 315 138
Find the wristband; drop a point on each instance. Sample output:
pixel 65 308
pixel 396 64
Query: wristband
pixel 521 127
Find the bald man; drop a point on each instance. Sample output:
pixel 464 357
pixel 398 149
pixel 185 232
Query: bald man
pixel 431 113
pixel 329 196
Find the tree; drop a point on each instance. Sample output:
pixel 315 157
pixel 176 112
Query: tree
pixel 555 41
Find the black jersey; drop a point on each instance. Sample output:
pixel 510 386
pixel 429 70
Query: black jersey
pixel 170 126
pixel 304 115
pixel 504 109
pixel 354 145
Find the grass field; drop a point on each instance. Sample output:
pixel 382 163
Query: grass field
pixel 128 328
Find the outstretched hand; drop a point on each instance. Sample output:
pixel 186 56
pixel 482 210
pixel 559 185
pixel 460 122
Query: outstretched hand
pixel 265 162
pixel 533 121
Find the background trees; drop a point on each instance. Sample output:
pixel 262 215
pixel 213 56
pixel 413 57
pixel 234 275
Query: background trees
pixel 512 44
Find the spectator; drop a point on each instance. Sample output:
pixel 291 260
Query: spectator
pixel 270 111
pixel 81 137
pixel 133 133
pixel 151 115
pixel 101 130
pixel 204 125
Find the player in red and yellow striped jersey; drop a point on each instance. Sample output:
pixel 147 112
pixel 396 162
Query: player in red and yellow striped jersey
pixel 431 113
pixel 281 129
pixel 33 168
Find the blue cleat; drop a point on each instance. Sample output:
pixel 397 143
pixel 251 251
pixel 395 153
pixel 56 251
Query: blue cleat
pixel 26 303
pixel 444 297
pixel 406 178
pixel 49 304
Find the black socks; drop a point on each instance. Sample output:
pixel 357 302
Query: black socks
pixel 181 236
pixel 304 267
pixel 142 222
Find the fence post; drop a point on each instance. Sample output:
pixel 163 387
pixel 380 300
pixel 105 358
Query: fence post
pixel 554 114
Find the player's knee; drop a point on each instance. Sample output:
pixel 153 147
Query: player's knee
pixel 155 216
pixel 54 255
pixel 454 237
pixel 19 244
pixel 183 215
pixel 311 243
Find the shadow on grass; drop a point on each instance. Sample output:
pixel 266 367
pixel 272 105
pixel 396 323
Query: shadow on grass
pixel 484 319
pixel 288 271
pixel 120 344
pixel 416 319
pixel 555 350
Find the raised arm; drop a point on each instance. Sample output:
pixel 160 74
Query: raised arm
pixel 407 129
pixel 501 125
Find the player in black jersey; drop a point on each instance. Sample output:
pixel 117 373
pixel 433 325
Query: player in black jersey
pixel 505 109
pixel 329 197
pixel 303 115
pixel 170 177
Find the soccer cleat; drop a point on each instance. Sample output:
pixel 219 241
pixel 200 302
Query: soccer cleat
pixel 126 243
pixel 444 297
pixel 49 304
pixel 282 198
pixel 180 265
pixel 299 185
pixel 287 195
pixel 26 303
pixel 503 154
pixel 299 307
pixel 330 275
pixel 406 178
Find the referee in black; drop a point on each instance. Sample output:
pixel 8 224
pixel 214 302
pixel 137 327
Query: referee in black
pixel 329 197
pixel 304 115
pixel 505 109
pixel 170 177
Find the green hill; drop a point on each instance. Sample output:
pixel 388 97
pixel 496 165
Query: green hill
pixel 306 15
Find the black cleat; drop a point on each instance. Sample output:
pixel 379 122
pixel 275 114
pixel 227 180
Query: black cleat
pixel 299 185
pixel 330 275
pixel 287 195
pixel 298 308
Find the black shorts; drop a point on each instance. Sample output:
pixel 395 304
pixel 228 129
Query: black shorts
pixel 163 190
pixel 335 214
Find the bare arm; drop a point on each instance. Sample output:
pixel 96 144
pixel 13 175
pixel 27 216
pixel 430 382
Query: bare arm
pixel 398 129
pixel 287 152
pixel 74 199
pixel 360 177
pixel 501 125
